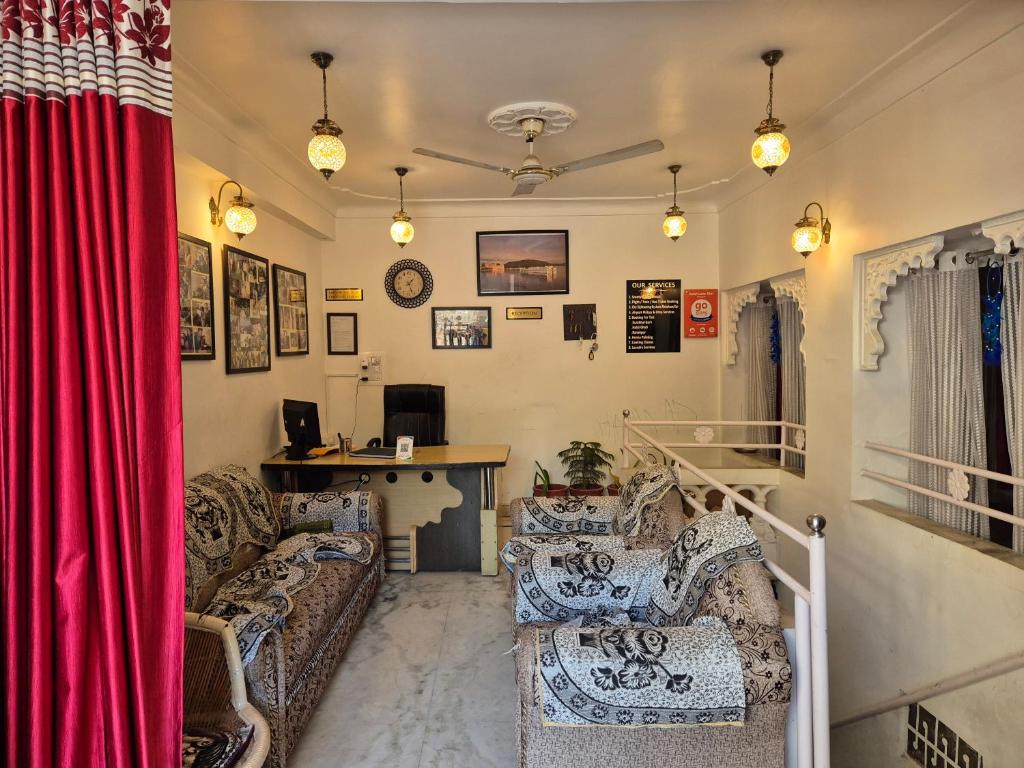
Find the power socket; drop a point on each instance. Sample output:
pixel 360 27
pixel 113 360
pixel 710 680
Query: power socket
pixel 371 366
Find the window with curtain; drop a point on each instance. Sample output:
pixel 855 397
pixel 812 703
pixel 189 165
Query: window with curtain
pixel 964 343
pixel 771 332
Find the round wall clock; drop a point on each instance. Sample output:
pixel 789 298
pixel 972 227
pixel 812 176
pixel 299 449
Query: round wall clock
pixel 408 283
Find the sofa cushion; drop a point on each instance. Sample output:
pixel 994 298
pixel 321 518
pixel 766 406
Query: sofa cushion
pixel 652 505
pixel 210 748
pixel 229 521
pixel 316 610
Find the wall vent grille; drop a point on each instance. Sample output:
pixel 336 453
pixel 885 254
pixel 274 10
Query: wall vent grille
pixel 932 743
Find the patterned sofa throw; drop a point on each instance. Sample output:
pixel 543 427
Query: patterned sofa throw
pixel 260 598
pixel 350 511
pixel 564 577
pixel 587 515
pixel 642 513
pixel 640 676
pixel 225 510
pixel 518 547
pixel 699 554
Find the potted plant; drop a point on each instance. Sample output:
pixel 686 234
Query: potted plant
pixel 614 487
pixel 585 464
pixel 542 485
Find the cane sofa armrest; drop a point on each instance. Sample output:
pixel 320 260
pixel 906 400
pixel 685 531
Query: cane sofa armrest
pixel 202 691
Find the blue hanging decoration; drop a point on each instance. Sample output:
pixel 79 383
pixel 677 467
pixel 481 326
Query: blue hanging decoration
pixel 775 339
pixel 991 317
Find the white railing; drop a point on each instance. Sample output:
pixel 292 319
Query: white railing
pixel 955 469
pixel 792 436
pixel 811 693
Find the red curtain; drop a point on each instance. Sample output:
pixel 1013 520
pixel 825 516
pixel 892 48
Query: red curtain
pixel 90 459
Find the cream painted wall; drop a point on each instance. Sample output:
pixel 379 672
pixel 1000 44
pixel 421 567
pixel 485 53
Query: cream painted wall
pixel 532 390
pixel 237 418
pixel 905 607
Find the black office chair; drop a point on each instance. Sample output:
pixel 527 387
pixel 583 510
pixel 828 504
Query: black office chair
pixel 416 410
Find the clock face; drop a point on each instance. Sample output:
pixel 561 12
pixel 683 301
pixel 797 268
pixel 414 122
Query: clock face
pixel 408 283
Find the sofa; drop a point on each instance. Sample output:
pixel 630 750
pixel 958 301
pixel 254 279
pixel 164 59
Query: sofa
pixel 233 527
pixel 648 519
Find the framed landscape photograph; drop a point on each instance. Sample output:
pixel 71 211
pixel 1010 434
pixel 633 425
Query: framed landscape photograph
pixel 291 318
pixel 461 327
pixel 195 298
pixel 246 311
pixel 522 262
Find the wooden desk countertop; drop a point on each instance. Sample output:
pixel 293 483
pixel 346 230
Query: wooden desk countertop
pixel 426 457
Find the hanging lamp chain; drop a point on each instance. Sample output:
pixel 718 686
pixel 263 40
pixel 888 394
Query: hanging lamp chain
pixel 771 89
pixel 324 73
pixel 401 193
pixel 675 174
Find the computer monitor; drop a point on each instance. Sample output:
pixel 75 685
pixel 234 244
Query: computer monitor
pixel 302 423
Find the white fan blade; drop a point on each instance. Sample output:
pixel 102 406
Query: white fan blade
pixel 612 157
pixel 462 160
pixel 523 189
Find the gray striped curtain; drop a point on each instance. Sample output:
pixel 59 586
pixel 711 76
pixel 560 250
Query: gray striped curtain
pixel 791 331
pixel 1013 382
pixel 755 327
pixel 946 400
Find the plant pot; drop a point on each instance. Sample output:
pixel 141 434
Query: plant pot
pixel 554 490
pixel 613 489
pixel 586 490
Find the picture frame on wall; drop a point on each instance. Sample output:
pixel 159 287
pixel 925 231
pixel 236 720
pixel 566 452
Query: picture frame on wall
pixel 522 262
pixel 195 299
pixel 246 311
pixel 291 316
pixel 342 333
pixel 460 327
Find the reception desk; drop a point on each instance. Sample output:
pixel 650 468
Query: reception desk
pixel 439 508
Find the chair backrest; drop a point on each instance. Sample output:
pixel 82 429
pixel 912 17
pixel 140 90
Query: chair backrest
pixel 414 409
pixel 229 521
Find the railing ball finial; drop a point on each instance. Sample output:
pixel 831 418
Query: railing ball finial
pixel 817 524
pixel 625 414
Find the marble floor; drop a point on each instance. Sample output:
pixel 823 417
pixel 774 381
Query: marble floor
pixel 425 684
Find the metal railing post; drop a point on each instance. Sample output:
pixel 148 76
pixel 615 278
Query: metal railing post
pixel 804 714
pixel 819 641
pixel 782 443
pixel 625 439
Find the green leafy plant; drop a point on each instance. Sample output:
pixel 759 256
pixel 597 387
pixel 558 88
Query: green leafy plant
pixel 585 463
pixel 541 477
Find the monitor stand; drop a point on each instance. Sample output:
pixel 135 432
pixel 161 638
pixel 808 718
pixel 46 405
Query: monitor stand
pixel 298 450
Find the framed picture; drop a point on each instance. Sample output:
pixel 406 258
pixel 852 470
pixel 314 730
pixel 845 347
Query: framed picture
pixel 342 333
pixel 461 327
pixel 291 319
pixel 246 311
pixel 522 262
pixel 195 298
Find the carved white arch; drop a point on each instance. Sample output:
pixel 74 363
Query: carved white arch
pixel 1003 230
pixel 877 271
pixel 794 286
pixel 735 300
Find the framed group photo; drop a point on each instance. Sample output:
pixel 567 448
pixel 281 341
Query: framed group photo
pixel 461 327
pixel 246 311
pixel 291 317
pixel 522 262
pixel 195 298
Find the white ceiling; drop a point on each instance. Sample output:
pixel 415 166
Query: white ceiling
pixel 427 74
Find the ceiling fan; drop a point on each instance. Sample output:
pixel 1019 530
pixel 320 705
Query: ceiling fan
pixel 531 173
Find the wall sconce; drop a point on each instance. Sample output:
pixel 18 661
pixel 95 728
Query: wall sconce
pixel 326 150
pixel 674 225
pixel 402 230
pixel 771 147
pixel 239 217
pixel 810 232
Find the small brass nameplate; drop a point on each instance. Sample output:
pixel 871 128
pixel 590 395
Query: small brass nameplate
pixel 344 294
pixel 524 313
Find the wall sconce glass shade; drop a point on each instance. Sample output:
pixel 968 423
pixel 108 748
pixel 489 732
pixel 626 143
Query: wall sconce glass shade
pixel 674 225
pixel 807 239
pixel 239 218
pixel 770 149
pixel 402 231
pixel 326 150
pixel 810 232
